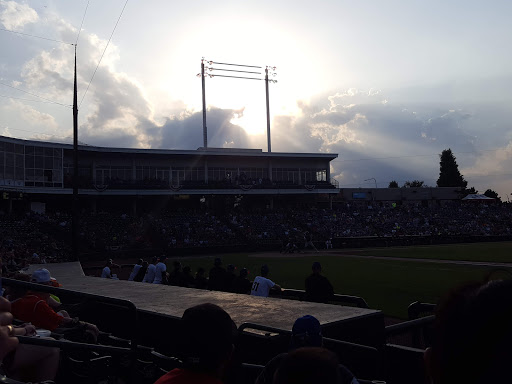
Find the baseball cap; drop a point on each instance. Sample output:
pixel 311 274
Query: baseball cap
pixel 265 269
pixel 316 265
pixel 41 275
pixel 306 331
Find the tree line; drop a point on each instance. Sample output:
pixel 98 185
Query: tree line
pixel 449 176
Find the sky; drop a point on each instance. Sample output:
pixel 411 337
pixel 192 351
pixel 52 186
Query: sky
pixel 387 85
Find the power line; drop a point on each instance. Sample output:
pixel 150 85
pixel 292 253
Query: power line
pixel 37 37
pixel 235 65
pixel 35 101
pixel 83 18
pixel 106 46
pixel 33 94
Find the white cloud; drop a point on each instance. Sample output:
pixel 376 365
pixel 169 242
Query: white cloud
pixel 15 16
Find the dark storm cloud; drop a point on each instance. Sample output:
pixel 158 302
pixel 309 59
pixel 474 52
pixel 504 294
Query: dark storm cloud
pixel 186 132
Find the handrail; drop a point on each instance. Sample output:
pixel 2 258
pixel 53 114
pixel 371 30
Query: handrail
pixel 65 344
pixel 406 325
pixel 358 301
pixel 261 327
pixel 415 308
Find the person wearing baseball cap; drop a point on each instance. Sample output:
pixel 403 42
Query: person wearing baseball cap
pixel 33 307
pixel 306 333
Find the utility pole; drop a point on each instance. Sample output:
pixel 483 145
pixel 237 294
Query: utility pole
pixel 76 208
pixel 268 111
pixel 205 132
pixel 269 71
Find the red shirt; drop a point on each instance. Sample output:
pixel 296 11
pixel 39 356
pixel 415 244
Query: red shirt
pixel 31 308
pixel 184 376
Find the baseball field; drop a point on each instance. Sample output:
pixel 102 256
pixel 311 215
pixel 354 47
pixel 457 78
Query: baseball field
pixel 387 278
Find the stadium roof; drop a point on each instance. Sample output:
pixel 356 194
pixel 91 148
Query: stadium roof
pixel 199 151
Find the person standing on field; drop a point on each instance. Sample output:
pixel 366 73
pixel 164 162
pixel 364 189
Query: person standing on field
pixel 262 285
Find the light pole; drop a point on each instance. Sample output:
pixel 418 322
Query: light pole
pixel 268 71
pixel 372 178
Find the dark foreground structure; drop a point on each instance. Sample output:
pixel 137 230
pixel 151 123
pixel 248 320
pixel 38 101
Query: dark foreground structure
pixel 139 324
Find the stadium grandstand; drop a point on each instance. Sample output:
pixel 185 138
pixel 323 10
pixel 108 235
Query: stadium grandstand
pixel 149 204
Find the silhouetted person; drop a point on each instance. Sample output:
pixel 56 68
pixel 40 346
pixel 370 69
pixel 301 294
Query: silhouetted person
pixel 306 332
pixel 242 284
pixel 135 270
pixel 318 288
pixel 308 365
pixel 229 278
pixel 176 276
pixel 142 272
pixel 201 282
pixel 188 279
pixel 472 336
pixel 205 345
pixel 217 276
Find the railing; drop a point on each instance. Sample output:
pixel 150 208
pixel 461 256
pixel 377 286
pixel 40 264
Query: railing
pixel 336 298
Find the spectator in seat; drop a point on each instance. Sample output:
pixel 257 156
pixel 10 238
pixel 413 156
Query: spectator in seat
pixel 242 284
pixel 306 334
pixel 206 346
pixel 150 273
pixel 188 279
pixel 33 307
pixel 217 276
pixel 142 272
pixel 176 276
pixel 318 288
pixel 106 273
pixel 200 281
pixel 229 278
pixel 135 270
pixel 261 285
pixel 309 365
pixel 160 271
pixel 472 335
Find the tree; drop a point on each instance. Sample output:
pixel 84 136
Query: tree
pixel 493 194
pixel 449 175
pixel 414 184
pixel 393 184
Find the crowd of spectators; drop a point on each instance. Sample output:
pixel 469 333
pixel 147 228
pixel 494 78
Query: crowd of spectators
pixel 45 238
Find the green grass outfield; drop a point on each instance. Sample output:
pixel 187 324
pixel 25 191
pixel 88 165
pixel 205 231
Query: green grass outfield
pixel 389 285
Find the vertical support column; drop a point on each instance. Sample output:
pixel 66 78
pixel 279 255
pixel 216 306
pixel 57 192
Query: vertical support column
pixel 206 171
pixel 93 204
pixel 134 207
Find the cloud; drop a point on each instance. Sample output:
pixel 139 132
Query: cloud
pixel 186 131
pixel 15 16
pixel 32 116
